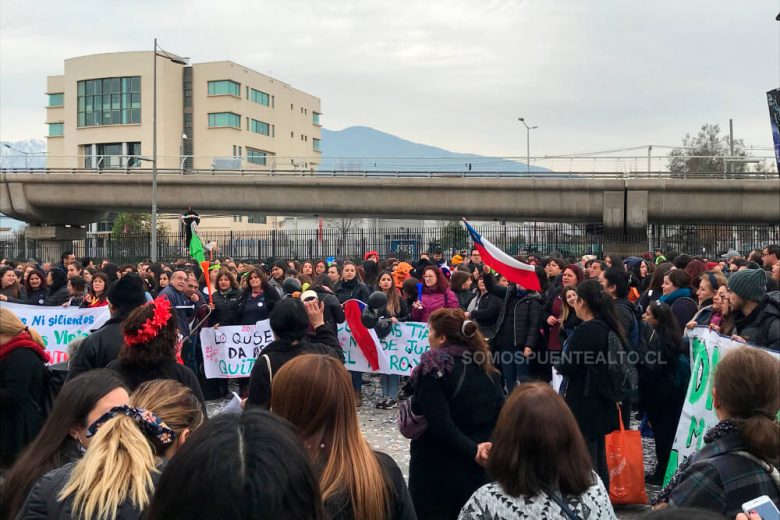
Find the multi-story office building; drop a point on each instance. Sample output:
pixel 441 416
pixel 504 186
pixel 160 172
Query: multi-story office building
pixel 209 115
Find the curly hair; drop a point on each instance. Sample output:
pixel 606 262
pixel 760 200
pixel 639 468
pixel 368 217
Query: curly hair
pixel 160 348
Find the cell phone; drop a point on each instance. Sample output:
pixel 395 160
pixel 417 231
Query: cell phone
pixel 763 506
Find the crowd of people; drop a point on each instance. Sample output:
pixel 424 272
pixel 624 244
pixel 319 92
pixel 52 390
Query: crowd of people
pixel 507 411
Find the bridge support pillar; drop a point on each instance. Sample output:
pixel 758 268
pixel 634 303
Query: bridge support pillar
pixel 50 241
pixel 625 222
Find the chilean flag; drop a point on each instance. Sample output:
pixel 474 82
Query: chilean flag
pixel 511 269
pixel 366 339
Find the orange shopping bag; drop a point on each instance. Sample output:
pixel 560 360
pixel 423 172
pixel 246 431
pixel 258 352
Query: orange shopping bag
pixel 626 469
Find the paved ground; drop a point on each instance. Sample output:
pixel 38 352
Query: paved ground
pixel 380 429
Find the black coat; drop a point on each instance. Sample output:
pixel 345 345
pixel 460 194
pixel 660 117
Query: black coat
pixel 442 470
pixel 225 308
pixel 99 348
pixel 464 298
pixel 280 352
pixel 42 503
pixel 21 391
pixel 135 375
pixel 762 326
pixel 20 298
pixel 519 318
pixel 251 309
pixel 58 297
pixel 488 307
pixel 37 297
pixel 333 312
pixel 588 380
pixel 352 290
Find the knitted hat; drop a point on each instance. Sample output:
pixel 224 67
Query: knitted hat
pixel 456 260
pixel 369 254
pixel 749 284
pixel 127 292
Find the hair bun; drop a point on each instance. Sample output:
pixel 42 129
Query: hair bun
pixel 469 328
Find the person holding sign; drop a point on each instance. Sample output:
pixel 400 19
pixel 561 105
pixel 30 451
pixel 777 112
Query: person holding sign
pixel 739 461
pixel 314 393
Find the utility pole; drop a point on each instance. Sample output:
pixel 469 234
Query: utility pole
pixel 731 142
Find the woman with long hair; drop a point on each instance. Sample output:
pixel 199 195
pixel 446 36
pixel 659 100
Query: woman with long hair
pixel 150 348
pixel 741 454
pixel 97 292
pixel 571 275
pixel 460 284
pixel 115 479
pixel 677 293
pixel 707 293
pixel 226 298
pixel 23 358
pixel 351 286
pixel 307 268
pixel 256 299
pixel 538 457
pixel 239 467
pixel 436 294
pixel 458 391
pixel 35 284
pixel 654 288
pixel 484 309
pixel 10 290
pixel 278 273
pixel 395 311
pixel 320 268
pixel 314 393
pixel 161 281
pixel 663 381
pixel 569 319
pixel 57 281
pixel 587 387
pixel 62 439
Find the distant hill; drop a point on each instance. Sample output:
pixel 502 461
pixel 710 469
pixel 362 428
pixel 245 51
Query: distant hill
pixel 360 148
pixel 14 158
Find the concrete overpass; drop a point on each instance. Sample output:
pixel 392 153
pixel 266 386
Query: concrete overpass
pixel 622 202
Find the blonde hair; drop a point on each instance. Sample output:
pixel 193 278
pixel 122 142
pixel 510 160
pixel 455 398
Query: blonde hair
pixel 11 325
pixel 120 461
pixel 315 394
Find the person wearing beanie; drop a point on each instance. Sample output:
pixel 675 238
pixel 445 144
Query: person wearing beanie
pixel 372 256
pixel 756 312
pixel 401 273
pixel 456 260
pixel 103 345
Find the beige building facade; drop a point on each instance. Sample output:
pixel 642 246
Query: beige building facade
pixel 218 115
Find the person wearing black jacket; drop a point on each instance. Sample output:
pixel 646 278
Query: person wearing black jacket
pixel 484 309
pixel 57 281
pixel 37 292
pixel 103 345
pixel 517 329
pixel 256 300
pixel 350 286
pixel 290 320
pixel 226 299
pixel 333 312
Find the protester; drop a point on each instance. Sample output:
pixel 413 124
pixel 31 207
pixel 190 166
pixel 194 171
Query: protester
pixel 63 437
pixel 595 269
pixel 517 330
pixel 538 459
pixel 663 381
pixel 97 295
pixel 290 320
pixel 150 346
pixel 350 287
pixel 739 460
pixel 314 393
pixel 587 388
pixel 571 275
pixel 256 299
pixel 401 273
pixel 225 297
pixel 278 273
pixel 10 290
pixel 756 312
pixel 569 320
pixel 436 294
pixel 460 284
pixel 22 371
pixel 103 345
pixel 77 288
pixel 395 311
pixel 678 295
pixel 239 468
pixel 185 300
pixel 116 477
pixel 709 283
pixel 460 401
pixel 35 284
pixel 484 309
pixel 58 289
pixel 74 269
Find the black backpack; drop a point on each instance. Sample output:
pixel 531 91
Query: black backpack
pixel 621 370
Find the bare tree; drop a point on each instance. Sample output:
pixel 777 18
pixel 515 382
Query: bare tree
pixel 344 226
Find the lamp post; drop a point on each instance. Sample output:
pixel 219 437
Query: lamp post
pixel 182 157
pixel 26 155
pixel 181 61
pixel 527 142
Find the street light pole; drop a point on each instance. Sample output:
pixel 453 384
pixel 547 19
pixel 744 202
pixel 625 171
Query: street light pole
pixel 26 155
pixel 527 142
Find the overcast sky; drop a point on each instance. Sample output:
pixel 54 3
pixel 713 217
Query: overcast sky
pixel 593 75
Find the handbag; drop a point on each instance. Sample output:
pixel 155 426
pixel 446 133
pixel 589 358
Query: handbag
pixel 626 469
pixel 568 513
pixel 412 425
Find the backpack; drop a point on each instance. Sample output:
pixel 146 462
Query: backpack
pixel 621 370
pixel 632 334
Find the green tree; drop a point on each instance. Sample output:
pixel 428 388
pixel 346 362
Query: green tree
pixel 454 236
pixel 136 224
pixel 705 152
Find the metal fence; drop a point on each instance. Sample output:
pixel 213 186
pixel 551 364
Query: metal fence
pixel 544 239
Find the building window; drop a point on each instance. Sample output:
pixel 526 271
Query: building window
pixel 254 218
pixel 112 155
pixel 224 119
pixel 259 127
pixel 315 118
pixel 224 87
pixel 260 97
pixel 56 100
pixel 316 144
pixel 109 101
pixel 56 129
pixel 256 156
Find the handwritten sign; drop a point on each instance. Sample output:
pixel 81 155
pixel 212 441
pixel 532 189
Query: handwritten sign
pixel 58 326
pixel 230 352
pixel 698 414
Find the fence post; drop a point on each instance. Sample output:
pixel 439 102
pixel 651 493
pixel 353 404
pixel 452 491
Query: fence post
pixel 273 243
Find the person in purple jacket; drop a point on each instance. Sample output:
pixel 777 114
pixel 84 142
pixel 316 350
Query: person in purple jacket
pixel 436 294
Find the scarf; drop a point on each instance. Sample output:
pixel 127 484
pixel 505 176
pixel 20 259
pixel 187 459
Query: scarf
pixel 439 361
pixel 23 340
pixel 675 295
pixel 720 430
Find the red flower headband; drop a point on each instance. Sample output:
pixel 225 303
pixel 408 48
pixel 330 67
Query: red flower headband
pixel 151 327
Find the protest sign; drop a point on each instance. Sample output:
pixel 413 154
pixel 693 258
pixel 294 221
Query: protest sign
pixel 230 352
pixel 58 326
pixel 698 414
